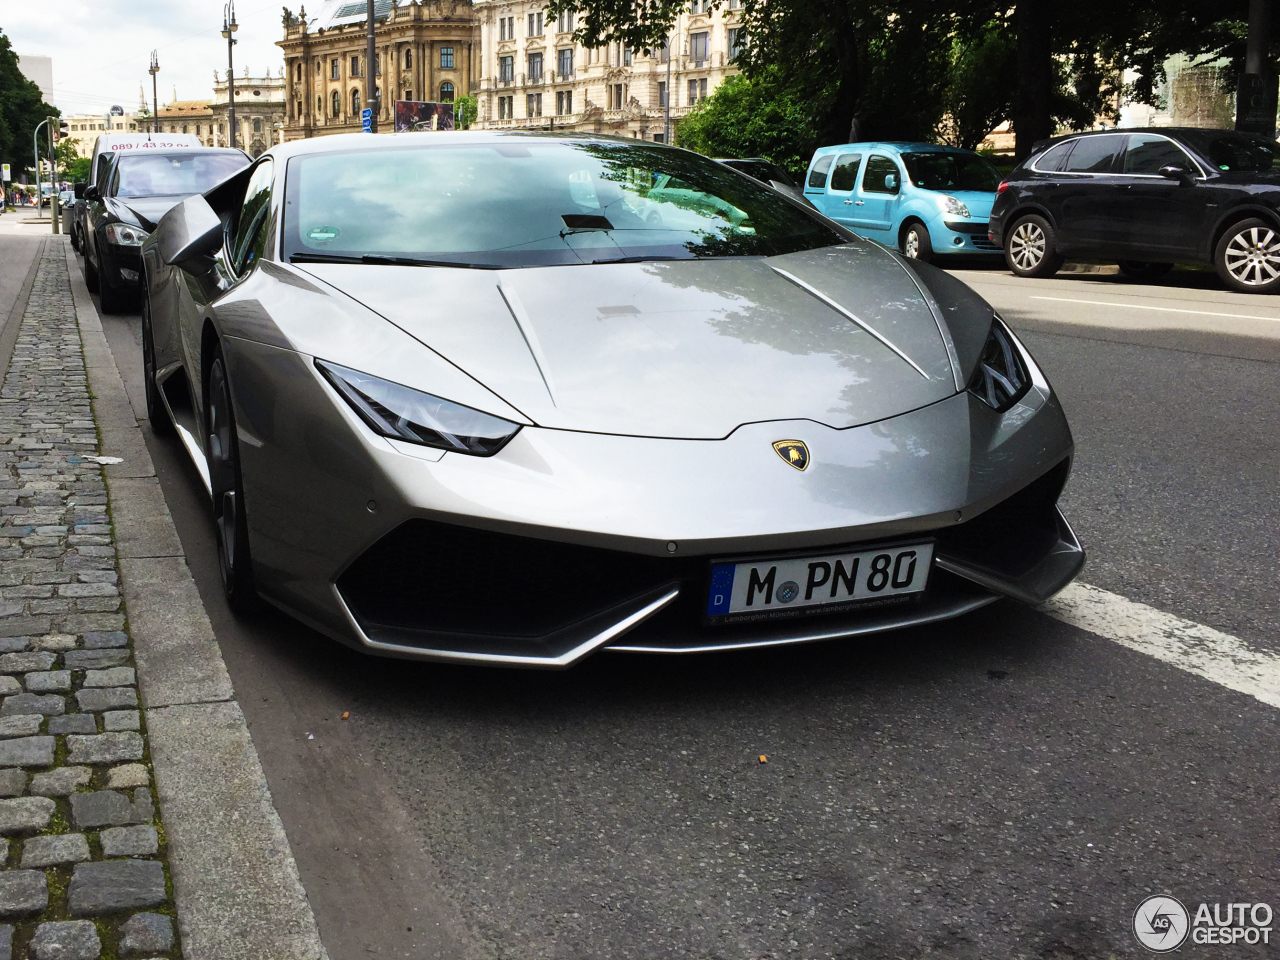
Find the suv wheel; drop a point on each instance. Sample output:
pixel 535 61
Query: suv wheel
pixel 1248 257
pixel 223 450
pixel 1031 249
pixel 916 244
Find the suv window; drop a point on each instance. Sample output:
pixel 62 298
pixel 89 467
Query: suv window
pixel 879 169
pixel 818 175
pixel 845 175
pixel 1094 154
pixel 1054 159
pixel 1233 152
pixel 1148 152
pixel 251 224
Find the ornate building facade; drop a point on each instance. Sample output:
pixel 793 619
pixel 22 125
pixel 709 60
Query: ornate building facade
pixel 427 50
pixel 259 113
pixel 534 76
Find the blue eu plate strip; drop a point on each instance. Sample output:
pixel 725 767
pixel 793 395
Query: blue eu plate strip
pixel 721 588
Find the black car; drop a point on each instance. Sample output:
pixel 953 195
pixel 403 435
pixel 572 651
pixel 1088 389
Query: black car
pixel 758 168
pixel 132 192
pixel 1148 199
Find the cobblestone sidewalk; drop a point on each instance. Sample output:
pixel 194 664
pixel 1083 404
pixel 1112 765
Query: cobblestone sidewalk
pixel 85 874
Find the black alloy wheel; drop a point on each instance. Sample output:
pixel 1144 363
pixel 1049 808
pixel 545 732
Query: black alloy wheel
pixel 223 451
pixel 1248 257
pixel 112 299
pixel 1141 270
pixel 157 413
pixel 916 244
pixel 1031 248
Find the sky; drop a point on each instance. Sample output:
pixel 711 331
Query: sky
pixel 101 48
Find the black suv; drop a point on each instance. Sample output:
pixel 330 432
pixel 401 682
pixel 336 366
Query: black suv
pixel 1146 198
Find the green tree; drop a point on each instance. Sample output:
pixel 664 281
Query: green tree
pixel 465 111
pixel 21 110
pixel 71 165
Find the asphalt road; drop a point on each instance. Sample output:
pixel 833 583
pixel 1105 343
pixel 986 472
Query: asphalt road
pixel 998 786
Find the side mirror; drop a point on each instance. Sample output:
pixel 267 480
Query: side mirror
pixel 91 193
pixel 891 182
pixel 189 230
pixel 79 189
pixel 1176 171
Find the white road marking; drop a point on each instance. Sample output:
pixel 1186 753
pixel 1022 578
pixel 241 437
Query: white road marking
pixel 1137 306
pixel 1193 647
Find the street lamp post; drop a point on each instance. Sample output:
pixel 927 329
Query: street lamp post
pixel 155 97
pixel 371 96
pixel 666 106
pixel 229 27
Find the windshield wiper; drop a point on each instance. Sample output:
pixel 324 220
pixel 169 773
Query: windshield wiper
pixel 641 259
pixel 392 261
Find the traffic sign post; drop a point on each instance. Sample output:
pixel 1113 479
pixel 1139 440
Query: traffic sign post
pixel 366 120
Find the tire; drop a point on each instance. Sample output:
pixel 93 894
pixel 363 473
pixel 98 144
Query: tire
pixel 915 243
pixel 90 275
pixel 157 413
pixel 112 300
pixel 223 451
pixel 1141 270
pixel 1248 257
pixel 1031 247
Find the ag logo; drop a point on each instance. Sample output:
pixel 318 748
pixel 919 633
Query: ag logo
pixel 794 452
pixel 1161 924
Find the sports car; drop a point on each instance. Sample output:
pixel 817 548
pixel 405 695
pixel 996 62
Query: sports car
pixel 492 398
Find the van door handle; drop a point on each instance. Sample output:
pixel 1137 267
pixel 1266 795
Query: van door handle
pixel 847 202
pixel 859 202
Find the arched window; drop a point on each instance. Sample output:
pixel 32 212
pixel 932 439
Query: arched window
pixel 408 59
pixel 446 92
pixel 184 128
pixel 257 126
pixel 297 71
pixel 355 102
pixel 319 105
pixel 337 104
pixel 173 129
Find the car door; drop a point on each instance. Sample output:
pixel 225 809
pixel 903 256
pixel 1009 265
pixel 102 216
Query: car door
pixel 1090 218
pixel 839 198
pixel 1163 217
pixel 877 192
pixel 815 184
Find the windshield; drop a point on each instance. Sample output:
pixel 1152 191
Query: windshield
pixel 527 201
pixel 174 175
pixel 952 171
pixel 1233 152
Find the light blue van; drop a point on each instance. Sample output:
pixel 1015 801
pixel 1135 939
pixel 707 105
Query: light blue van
pixel 921 198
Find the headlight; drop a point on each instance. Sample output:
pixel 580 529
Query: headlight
pixel 1001 378
pixel 953 206
pixel 406 414
pixel 124 235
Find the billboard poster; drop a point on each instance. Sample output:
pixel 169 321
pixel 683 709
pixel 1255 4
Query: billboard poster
pixel 417 115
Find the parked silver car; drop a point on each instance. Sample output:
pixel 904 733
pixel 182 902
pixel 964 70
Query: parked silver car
pixel 460 399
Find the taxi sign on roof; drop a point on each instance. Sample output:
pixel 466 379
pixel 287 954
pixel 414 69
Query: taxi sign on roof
pixel 129 142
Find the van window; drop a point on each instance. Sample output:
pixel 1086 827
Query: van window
pixel 818 175
pixel 879 169
pixel 845 174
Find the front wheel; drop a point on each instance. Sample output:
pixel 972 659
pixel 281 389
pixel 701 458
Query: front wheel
pixel 90 274
pixel 1248 257
pixel 1031 249
pixel 112 299
pixel 223 449
pixel 1141 270
pixel 157 414
pixel 916 244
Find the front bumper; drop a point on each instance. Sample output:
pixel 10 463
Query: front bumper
pixel 121 265
pixel 961 236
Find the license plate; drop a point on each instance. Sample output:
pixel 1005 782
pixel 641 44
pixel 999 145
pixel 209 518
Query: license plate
pixel 771 587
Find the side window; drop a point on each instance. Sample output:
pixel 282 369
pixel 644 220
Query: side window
pixel 1147 153
pixel 845 175
pixel 251 224
pixel 1094 155
pixel 818 175
pixel 1054 159
pixel 882 176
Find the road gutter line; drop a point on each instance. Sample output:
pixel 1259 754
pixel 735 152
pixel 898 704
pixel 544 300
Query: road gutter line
pixel 1193 647
pixel 1138 306
pixel 236 885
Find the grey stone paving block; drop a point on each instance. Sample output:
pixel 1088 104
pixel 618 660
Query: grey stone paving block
pixel 26 752
pixel 94 659
pixel 25 813
pixel 54 642
pixel 140 841
pixel 23 725
pixel 26 662
pixel 146 932
pixel 104 748
pixel 6 941
pixel 45 704
pixel 112 677
pixel 101 641
pixel 60 782
pixel 73 723
pixel 103 808
pixel 48 681
pixel 24 627
pixel 127 775
pixel 61 848
pixel 115 885
pixel 116 720
pixel 12 782
pixel 106 698
pixel 65 940
pixel 23 892
pixel 9 686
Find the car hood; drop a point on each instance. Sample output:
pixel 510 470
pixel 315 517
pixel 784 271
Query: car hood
pixel 146 211
pixel 690 348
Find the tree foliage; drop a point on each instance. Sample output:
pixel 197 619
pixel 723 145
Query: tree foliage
pixel 22 108
pixel 465 111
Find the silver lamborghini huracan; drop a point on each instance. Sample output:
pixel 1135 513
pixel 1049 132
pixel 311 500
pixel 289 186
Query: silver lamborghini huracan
pixel 508 398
